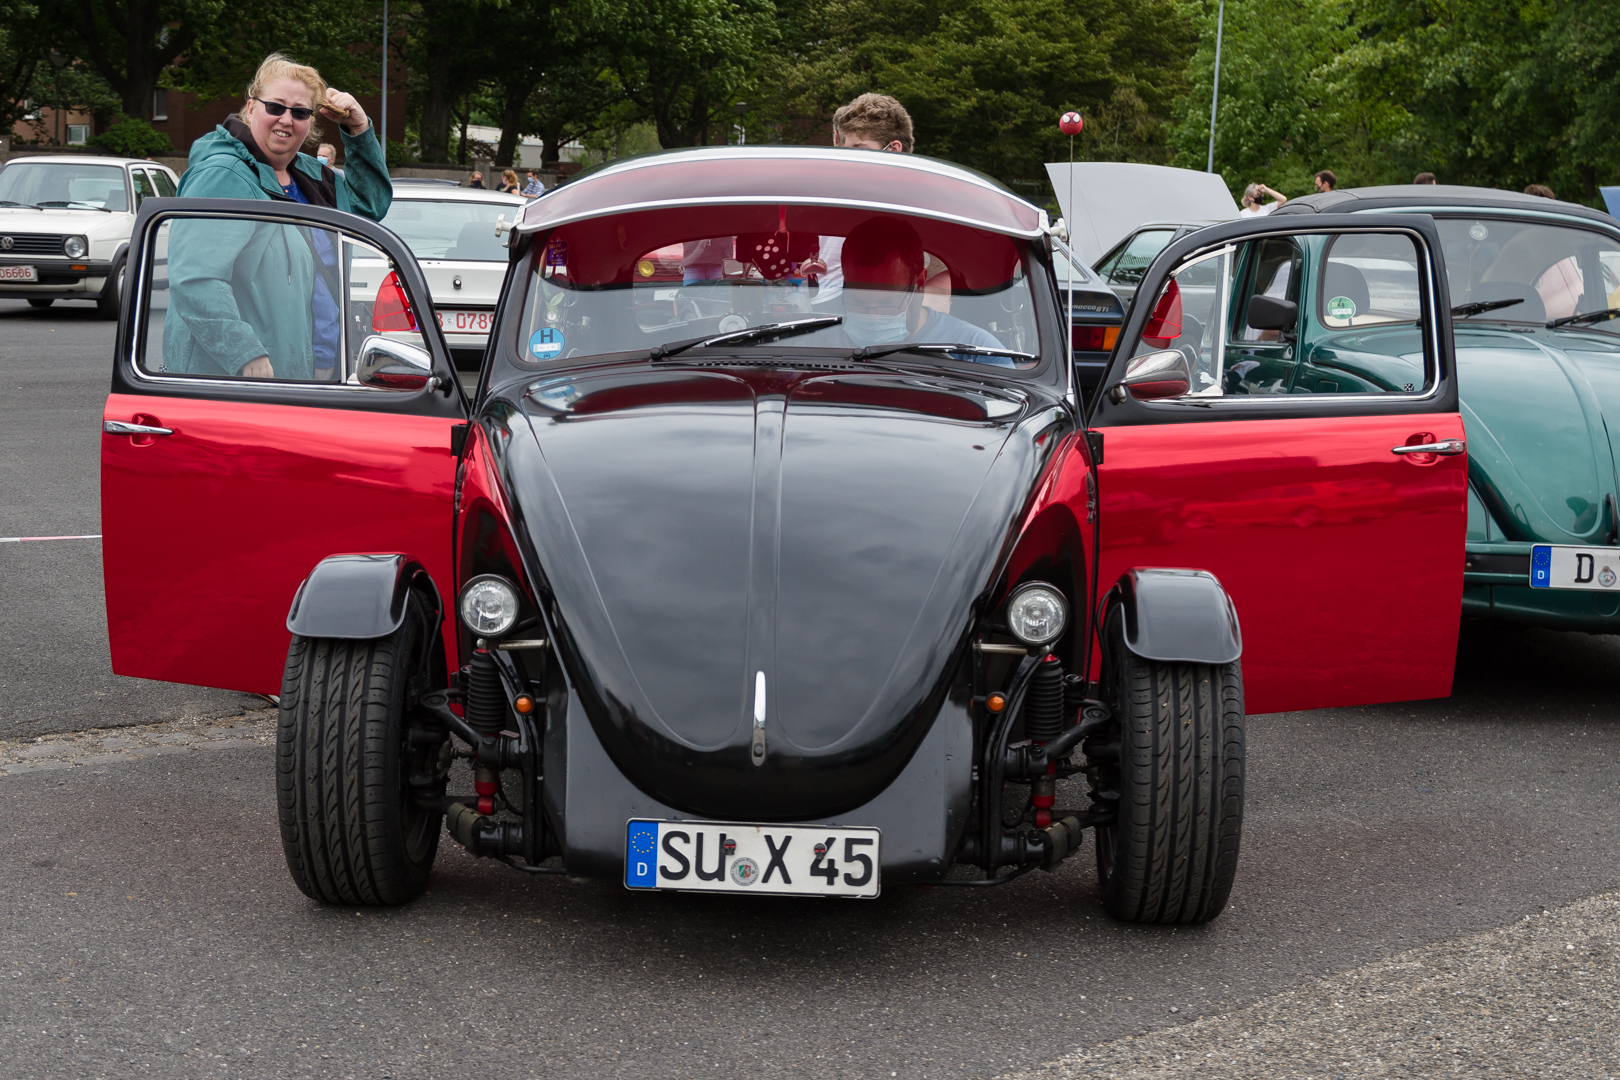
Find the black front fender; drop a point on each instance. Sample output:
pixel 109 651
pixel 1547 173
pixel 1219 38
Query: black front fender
pixel 1177 616
pixel 359 597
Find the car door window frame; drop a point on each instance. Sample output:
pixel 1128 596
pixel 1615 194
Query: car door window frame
pixel 1439 395
pixel 445 398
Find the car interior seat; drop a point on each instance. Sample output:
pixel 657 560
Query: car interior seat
pixel 1342 279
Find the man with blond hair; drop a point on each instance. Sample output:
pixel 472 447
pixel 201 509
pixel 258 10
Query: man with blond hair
pixel 873 122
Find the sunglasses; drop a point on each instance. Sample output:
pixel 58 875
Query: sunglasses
pixel 276 108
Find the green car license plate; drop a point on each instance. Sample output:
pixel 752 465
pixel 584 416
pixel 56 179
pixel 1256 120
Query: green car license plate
pixel 1560 566
pixel 786 860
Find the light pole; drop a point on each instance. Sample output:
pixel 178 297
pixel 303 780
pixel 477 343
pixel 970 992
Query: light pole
pixel 742 126
pixel 383 134
pixel 59 61
pixel 1220 18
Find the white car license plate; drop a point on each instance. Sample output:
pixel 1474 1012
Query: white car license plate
pixel 1557 566
pixel 466 322
pixel 18 273
pixel 792 860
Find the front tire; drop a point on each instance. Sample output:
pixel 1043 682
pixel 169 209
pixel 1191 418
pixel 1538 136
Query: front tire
pixel 112 293
pixel 1171 855
pixel 350 829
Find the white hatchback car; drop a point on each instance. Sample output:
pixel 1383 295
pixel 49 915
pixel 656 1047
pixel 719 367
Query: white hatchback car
pixel 65 223
pixel 452 232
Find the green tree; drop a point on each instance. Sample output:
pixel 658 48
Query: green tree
pixel 684 64
pixel 130 42
pixel 337 40
pixel 550 76
pixel 24 41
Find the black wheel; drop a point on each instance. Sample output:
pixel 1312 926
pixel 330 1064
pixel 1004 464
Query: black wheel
pixel 41 302
pixel 1172 853
pixel 112 293
pixel 350 829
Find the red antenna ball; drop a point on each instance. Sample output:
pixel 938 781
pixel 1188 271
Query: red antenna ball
pixel 1071 123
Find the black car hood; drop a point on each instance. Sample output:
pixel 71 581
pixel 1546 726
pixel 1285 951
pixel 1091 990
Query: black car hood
pixel 701 531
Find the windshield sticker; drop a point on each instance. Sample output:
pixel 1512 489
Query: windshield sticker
pixel 1478 231
pixel 1341 307
pixel 546 344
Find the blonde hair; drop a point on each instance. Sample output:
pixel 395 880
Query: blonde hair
pixel 277 66
pixel 509 177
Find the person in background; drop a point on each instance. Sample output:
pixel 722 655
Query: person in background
pixel 1251 200
pixel 873 122
pixel 509 182
pixel 476 181
pixel 533 189
pixel 1326 181
pixel 259 300
pixel 1424 178
pixel 327 155
pixel 885 271
pixel 1540 189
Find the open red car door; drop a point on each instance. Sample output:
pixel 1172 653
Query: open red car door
pixel 1294 430
pixel 260 421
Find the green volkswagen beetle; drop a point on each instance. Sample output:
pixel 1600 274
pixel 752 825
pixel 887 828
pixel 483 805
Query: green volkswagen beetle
pixel 1535 295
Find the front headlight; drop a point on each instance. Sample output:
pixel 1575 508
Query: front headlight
pixel 74 247
pixel 1037 613
pixel 488 605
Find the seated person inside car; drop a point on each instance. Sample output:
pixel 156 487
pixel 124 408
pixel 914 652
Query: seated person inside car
pixel 885 272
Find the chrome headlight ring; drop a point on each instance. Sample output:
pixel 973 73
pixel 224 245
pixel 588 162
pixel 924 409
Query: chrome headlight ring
pixel 1037 613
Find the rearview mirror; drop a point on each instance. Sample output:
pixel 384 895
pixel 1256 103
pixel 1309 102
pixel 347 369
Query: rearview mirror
pixel 1270 313
pixel 394 365
pixel 1154 375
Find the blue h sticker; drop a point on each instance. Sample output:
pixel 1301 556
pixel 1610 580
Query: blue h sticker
pixel 1540 567
pixel 641 855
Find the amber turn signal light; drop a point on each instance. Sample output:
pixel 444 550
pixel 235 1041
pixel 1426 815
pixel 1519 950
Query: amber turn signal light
pixel 995 702
pixel 524 705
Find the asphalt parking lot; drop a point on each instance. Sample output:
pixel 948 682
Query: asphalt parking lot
pixel 150 928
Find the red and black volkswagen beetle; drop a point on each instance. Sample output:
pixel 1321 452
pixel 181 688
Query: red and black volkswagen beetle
pixel 774 550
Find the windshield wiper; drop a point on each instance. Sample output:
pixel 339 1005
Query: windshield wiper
pixel 1482 306
pixel 8 202
pixel 772 331
pixel 1590 316
pixel 872 352
pixel 74 204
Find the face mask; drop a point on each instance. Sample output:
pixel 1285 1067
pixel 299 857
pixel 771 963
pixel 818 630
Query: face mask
pixel 875 329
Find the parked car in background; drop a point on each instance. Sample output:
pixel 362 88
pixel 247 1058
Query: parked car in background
pixel 452 232
pixel 65 223
pixel 1535 295
pixel 1095 314
pixel 1121 267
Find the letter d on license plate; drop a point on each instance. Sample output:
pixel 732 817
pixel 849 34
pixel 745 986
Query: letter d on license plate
pixel 790 860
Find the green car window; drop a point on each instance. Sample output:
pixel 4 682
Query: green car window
pixel 1553 271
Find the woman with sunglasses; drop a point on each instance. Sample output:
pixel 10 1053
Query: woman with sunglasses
pixel 265 304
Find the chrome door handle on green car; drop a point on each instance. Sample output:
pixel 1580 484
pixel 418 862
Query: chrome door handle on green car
pixel 1445 446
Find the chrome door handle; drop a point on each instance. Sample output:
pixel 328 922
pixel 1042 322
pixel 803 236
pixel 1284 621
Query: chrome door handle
pixel 120 427
pixel 1444 446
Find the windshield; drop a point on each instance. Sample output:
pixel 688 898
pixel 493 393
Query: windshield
pixel 450 229
pixel 633 282
pixel 1554 271
pixel 64 184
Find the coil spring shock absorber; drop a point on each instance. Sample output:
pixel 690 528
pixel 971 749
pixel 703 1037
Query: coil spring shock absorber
pixel 1043 722
pixel 485 711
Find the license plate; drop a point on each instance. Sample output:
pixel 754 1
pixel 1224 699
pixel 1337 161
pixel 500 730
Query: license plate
pixel 790 860
pixel 466 322
pixel 1556 566
pixel 18 273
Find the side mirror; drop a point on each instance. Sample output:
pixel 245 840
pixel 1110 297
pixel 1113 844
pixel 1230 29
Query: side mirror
pixel 394 365
pixel 1270 313
pixel 1154 375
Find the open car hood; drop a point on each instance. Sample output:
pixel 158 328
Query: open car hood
pixel 703 533
pixel 1111 198
pixel 1537 408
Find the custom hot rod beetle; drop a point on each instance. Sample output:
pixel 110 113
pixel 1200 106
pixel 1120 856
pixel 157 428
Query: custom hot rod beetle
pixel 775 551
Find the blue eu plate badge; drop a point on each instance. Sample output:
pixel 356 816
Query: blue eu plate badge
pixel 1540 566
pixel 641 855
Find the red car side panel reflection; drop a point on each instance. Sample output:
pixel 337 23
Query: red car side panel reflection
pixel 1344 560
pixel 209 531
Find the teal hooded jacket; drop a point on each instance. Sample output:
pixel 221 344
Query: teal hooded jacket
pixel 239 290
